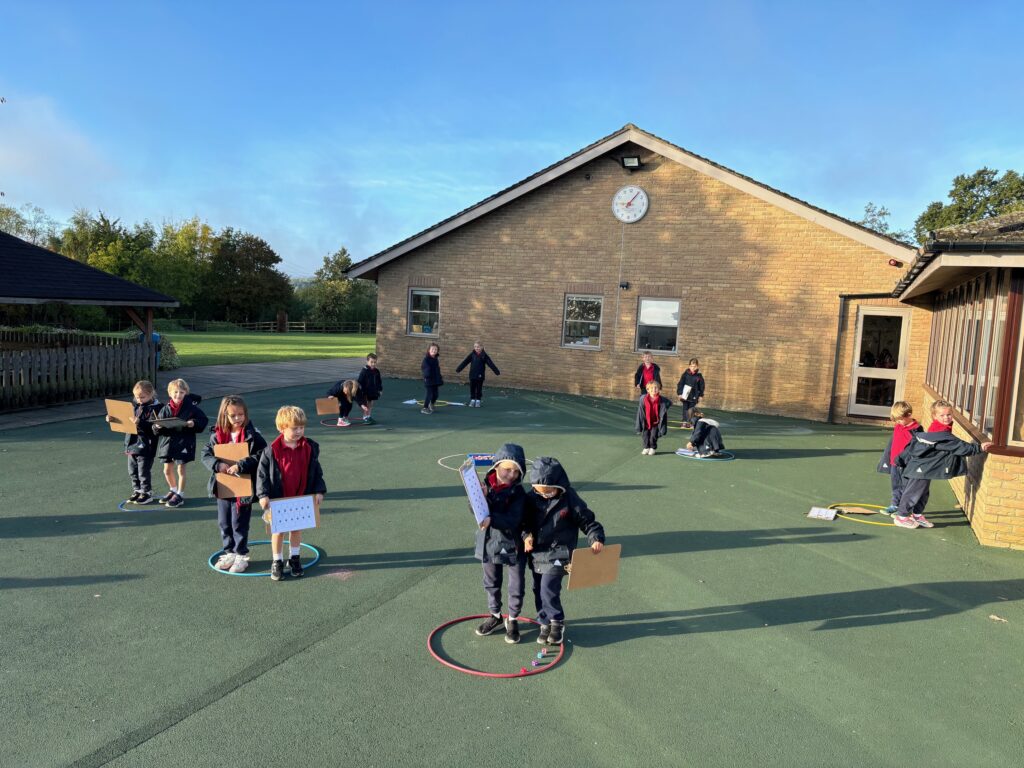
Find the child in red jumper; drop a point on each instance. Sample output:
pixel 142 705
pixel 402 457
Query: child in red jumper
pixel 647 372
pixel 904 427
pixel 290 466
pixel 652 418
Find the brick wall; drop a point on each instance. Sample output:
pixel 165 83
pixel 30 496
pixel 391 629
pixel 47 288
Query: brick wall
pixel 758 286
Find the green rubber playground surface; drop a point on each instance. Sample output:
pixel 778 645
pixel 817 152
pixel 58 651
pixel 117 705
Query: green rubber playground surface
pixel 739 633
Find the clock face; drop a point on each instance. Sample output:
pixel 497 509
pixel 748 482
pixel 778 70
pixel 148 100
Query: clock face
pixel 629 204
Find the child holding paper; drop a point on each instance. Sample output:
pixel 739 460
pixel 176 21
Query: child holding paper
pixel 347 393
pixel 559 516
pixel 690 390
pixel 289 466
pixel 652 417
pixel 233 515
pixel 140 448
pixel 370 385
pixel 177 446
pixel 499 542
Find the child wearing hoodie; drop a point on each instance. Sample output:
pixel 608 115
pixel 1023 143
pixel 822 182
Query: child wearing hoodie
pixel 904 427
pixel 370 385
pixel 933 455
pixel 177 445
pixel 559 516
pixel 500 540
pixel 432 380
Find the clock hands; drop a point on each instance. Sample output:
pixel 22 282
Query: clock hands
pixel 634 197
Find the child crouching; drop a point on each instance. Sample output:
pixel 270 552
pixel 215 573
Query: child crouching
pixel 706 439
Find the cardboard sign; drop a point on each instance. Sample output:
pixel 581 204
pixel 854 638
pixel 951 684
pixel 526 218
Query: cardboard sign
pixel 471 483
pixel 326 406
pixel 121 415
pixel 232 486
pixel 590 569
pixel 822 513
pixel 852 510
pixel 294 513
pixel 231 451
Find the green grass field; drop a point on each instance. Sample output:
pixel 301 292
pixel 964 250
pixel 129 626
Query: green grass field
pixel 740 632
pixel 222 348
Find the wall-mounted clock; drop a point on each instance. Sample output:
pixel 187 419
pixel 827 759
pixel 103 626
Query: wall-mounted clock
pixel 630 204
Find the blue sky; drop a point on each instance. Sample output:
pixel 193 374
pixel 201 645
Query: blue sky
pixel 317 125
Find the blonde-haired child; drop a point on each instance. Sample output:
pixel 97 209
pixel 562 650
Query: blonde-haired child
pixel 289 466
pixel 140 448
pixel 233 515
pixel 347 393
pixel 652 417
pixel 904 427
pixel 177 446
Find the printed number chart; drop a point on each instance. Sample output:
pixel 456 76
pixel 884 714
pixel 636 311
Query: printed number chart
pixel 295 513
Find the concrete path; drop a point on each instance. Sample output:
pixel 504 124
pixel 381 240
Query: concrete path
pixel 210 381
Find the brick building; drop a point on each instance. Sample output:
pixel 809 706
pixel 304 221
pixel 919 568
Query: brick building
pixel 633 244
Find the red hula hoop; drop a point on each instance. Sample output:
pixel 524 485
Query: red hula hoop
pixel 478 673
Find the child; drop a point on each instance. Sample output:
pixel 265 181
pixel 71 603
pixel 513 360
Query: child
pixel 370 385
pixel 706 439
pixel 904 427
pixel 347 393
pixel 177 446
pixel 289 466
pixel 690 390
pixel 559 515
pixel 432 381
pixel 500 540
pixel 646 373
pixel 478 360
pixel 933 455
pixel 652 417
pixel 233 515
pixel 140 448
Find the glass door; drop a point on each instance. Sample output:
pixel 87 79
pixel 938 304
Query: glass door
pixel 880 357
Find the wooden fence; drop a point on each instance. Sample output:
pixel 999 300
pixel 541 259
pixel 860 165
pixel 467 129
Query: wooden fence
pixel 33 377
pixel 270 326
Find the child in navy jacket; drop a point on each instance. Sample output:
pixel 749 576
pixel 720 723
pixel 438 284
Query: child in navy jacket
pixel 478 361
pixel 233 515
pixel 904 428
pixel 348 393
pixel 432 381
pixel 140 448
pixel 559 515
pixel 706 439
pixel 647 372
pixel 690 390
pixel 500 540
pixel 370 385
pixel 177 446
pixel 652 417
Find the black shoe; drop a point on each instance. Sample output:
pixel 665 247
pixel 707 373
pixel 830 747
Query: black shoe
pixel 556 636
pixel 511 630
pixel 491 623
pixel 277 570
pixel 145 497
pixel 175 500
pixel 545 632
pixel 133 498
pixel 164 499
pixel 295 566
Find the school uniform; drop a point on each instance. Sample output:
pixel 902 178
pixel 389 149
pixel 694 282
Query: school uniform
pixel 900 439
pixel 556 525
pixel 370 383
pixel 234 515
pixel 478 365
pixel 695 381
pixel 500 545
pixel 270 481
pixel 344 404
pixel 644 376
pixel 432 381
pixel 179 445
pixel 140 448
pixel 652 419
pixel 930 456
pixel 707 437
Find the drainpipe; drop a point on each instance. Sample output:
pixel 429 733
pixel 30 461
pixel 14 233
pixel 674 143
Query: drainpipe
pixel 839 340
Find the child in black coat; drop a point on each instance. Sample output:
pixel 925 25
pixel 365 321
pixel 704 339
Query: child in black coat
pixel 500 540
pixel 348 393
pixel 140 448
pixel 904 427
pixel 478 361
pixel 432 381
pixel 559 515
pixel 370 385
pixel 652 418
pixel 233 515
pixel 647 372
pixel 690 390
pixel 177 446
pixel 706 439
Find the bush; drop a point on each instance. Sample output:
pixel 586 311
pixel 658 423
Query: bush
pixel 169 359
pixel 166 325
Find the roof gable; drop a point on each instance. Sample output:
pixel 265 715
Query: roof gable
pixel 35 275
pixel 631 134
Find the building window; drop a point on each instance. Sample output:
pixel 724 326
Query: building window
pixel 582 325
pixel 1016 421
pixel 424 312
pixel 966 350
pixel 657 325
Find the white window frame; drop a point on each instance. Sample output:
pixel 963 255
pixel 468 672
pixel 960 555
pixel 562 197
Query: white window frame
pixel 434 333
pixel 565 320
pixel 636 337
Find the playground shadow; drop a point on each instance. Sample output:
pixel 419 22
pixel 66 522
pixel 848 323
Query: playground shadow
pixel 785 454
pixel 426 558
pixel 678 542
pixel 73 524
pixel 838 610
pixel 17 582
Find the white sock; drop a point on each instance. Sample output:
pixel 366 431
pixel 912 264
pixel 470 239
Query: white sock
pixel 173 490
pixel 279 558
pixel 296 551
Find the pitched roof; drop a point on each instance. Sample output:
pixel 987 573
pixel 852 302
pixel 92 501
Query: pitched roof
pixel 35 275
pixel 630 133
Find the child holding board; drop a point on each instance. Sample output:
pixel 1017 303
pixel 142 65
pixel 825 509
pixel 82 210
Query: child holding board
pixel 177 446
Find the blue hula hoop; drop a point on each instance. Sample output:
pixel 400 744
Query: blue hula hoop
pixel 213 558
pixel 722 456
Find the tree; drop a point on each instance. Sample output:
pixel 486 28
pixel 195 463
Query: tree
pixel 979 196
pixel 877 218
pixel 30 223
pixel 243 282
pixel 337 299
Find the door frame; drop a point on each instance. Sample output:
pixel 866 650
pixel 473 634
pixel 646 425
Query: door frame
pixel 897 374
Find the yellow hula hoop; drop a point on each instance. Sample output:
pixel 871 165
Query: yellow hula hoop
pixel 857 519
pixel 438 403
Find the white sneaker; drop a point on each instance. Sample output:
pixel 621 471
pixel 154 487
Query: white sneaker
pixel 477 403
pixel 240 564
pixel 225 561
pixel 344 423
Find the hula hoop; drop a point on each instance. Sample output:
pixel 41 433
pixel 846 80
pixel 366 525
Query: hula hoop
pixel 359 422
pixel 854 519
pixel 219 552
pixel 722 456
pixel 452 456
pixel 154 505
pixel 438 403
pixel 479 673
